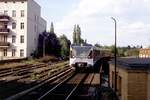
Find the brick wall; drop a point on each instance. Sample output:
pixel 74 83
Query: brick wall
pixel 134 85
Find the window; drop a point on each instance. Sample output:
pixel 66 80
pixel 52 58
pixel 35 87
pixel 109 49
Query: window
pixel 5 12
pixel 119 85
pixel 22 13
pixel 21 53
pixel 35 17
pixel 5 52
pixel 21 39
pixel 35 28
pixel 5 38
pixel 22 26
pixel 14 13
pixel 13 39
pixel 13 25
pixel 13 52
pixel 5 26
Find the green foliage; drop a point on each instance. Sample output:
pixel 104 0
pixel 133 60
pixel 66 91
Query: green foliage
pixel 77 35
pixel 50 44
pixel 82 41
pixel 47 59
pixel 65 45
pixel 98 45
pixel 74 35
pixel 52 28
pixel 132 52
pixel 122 51
pixel 113 49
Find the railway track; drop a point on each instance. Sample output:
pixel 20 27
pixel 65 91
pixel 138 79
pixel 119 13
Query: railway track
pixel 64 85
pixel 24 72
pixel 18 74
pixel 31 92
pixel 20 69
pixel 78 87
pixel 21 82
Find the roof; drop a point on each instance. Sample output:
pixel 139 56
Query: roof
pixel 80 45
pixel 134 63
pixel 12 0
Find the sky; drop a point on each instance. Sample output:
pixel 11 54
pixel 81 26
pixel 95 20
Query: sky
pixel 94 18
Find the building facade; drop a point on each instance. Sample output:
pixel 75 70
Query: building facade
pixel 133 78
pixel 144 53
pixel 20 25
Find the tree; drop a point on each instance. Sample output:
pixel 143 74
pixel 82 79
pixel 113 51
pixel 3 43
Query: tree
pixel 132 52
pixel 78 35
pixel 49 42
pixel 74 35
pixel 52 28
pixel 52 44
pixel 98 45
pixel 113 50
pixel 40 45
pixel 82 41
pixel 65 45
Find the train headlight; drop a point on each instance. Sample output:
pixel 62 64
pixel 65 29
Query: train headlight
pixel 79 64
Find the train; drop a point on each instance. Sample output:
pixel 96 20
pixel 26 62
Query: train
pixel 81 56
pixel 85 56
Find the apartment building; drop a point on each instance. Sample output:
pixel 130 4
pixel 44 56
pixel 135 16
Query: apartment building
pixel 133 78
pixel 144 53
pixel 20 25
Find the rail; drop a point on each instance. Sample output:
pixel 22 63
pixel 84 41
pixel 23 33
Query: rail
pixel 50 91
pixel 51 78
pixel 80 82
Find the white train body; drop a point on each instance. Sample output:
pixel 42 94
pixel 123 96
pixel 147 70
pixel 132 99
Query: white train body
pixel 81 56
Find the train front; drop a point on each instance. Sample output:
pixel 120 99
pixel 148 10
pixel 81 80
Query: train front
pixel 81 57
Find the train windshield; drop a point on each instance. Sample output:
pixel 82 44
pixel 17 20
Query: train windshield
pixel 82 52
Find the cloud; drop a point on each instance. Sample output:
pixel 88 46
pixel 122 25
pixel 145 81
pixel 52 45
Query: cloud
pixel 94 18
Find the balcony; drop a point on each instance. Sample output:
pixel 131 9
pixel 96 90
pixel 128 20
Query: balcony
pixel 4 18
pixel 4 44
pixel 4 31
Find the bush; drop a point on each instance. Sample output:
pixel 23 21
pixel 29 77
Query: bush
pixel 47 59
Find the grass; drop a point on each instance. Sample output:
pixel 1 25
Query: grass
pixel 45 59
pixel 52 69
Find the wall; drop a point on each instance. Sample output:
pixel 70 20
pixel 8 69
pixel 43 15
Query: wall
pixel 16 6
pixel 123 74
pixel 135 84
pixel 35 26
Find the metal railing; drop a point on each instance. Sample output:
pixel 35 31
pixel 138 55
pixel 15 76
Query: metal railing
pixel 4 43
pixel 2 17
pixel 6 30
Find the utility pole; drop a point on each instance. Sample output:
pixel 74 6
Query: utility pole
pixel 115 52
pixel 44 46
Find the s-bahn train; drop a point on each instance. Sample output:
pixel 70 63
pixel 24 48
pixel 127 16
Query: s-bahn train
pixel 84 56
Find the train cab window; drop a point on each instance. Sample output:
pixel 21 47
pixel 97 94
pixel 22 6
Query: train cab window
pixel 71 56
pixel 90 55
